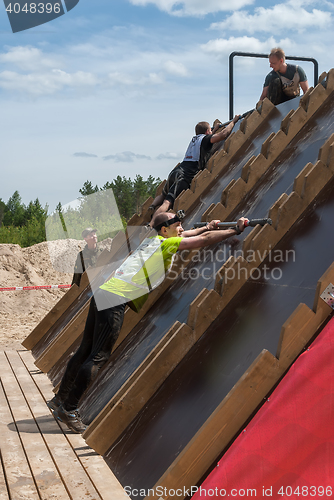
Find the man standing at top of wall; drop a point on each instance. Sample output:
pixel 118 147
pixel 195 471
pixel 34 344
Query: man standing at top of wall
pixel 284 81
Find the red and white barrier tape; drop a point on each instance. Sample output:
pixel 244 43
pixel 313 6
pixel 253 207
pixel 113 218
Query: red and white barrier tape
pixel 33 287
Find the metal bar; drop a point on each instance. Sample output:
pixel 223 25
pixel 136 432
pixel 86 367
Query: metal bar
pixel 240 118
pixel 248 223
pixel 263 56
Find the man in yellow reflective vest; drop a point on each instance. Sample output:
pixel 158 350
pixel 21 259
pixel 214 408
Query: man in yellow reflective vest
pixel 140 273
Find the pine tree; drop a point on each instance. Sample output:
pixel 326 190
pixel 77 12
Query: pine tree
pixel 2 210
pixel 88 189
pixel 15 211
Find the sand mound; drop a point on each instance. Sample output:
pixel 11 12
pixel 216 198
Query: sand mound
pixel 21 311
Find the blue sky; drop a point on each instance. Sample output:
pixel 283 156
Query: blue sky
pixel 115 87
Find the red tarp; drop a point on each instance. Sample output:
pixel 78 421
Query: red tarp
pixel 287 450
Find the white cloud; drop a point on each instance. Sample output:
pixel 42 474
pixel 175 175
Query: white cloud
pixel 45 83
pixel 138 67
pixel 27 58
pixel 126 156
pixel 330 5
pixel 85 155
pixel 221 47
pixel 29 71
pixel 129 61
pixel 141 58
pixel 194 7
pixel 301 3
pixel 175 68
pixel 40 74
pixel 291 14
pixel 168 156
pixel 118 78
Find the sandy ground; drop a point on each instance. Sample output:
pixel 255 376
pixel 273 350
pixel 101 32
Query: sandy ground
pixel 42 264
pixel 21 311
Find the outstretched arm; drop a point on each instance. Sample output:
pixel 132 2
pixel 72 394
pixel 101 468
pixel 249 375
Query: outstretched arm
pixel 200 230
pixel 221 136
pixel 211 237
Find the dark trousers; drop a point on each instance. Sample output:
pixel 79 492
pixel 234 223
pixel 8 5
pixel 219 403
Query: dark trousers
pixel 275 92
pixel 177 181
pixel 101 332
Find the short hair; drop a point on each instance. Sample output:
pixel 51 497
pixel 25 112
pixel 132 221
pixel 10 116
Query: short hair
pixel 277 52
pixel 201 127
pixel 160 218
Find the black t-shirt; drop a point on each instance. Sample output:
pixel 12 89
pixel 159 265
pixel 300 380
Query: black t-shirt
pixel 85 259
pixel 289 74
pixel 206 146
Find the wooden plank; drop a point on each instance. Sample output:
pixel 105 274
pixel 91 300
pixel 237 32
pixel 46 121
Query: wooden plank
pixel 20 482
pixel 4 494
pixel 52 354
pixel 193 307
pixel 260 115
pixel 298 185
pixel 101 434
pixel 137 373
pixel 330 80
pixel 304 321
pixel 63 341
pixel 255 120
pixel 99 473
pixel 206 312
pixel 73 330
pixel 221 160
pixel 56 312
pixel 45 474
pixel 220 428
pixel 71 471
pixel 206 307
pixel 71 296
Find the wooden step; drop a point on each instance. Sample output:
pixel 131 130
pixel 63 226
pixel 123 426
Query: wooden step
pixel 41 458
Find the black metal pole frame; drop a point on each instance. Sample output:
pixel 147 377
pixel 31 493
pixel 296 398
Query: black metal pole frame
pixel 251 54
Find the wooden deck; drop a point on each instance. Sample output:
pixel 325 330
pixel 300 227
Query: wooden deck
pixel 39 457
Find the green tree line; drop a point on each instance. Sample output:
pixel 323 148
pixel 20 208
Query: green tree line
pixel 25 224
pixel 21 224
pixel 129 194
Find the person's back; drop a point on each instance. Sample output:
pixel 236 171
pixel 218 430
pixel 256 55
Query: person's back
pixel 194 160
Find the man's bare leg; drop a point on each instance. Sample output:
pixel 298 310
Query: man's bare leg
pixel 158 200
